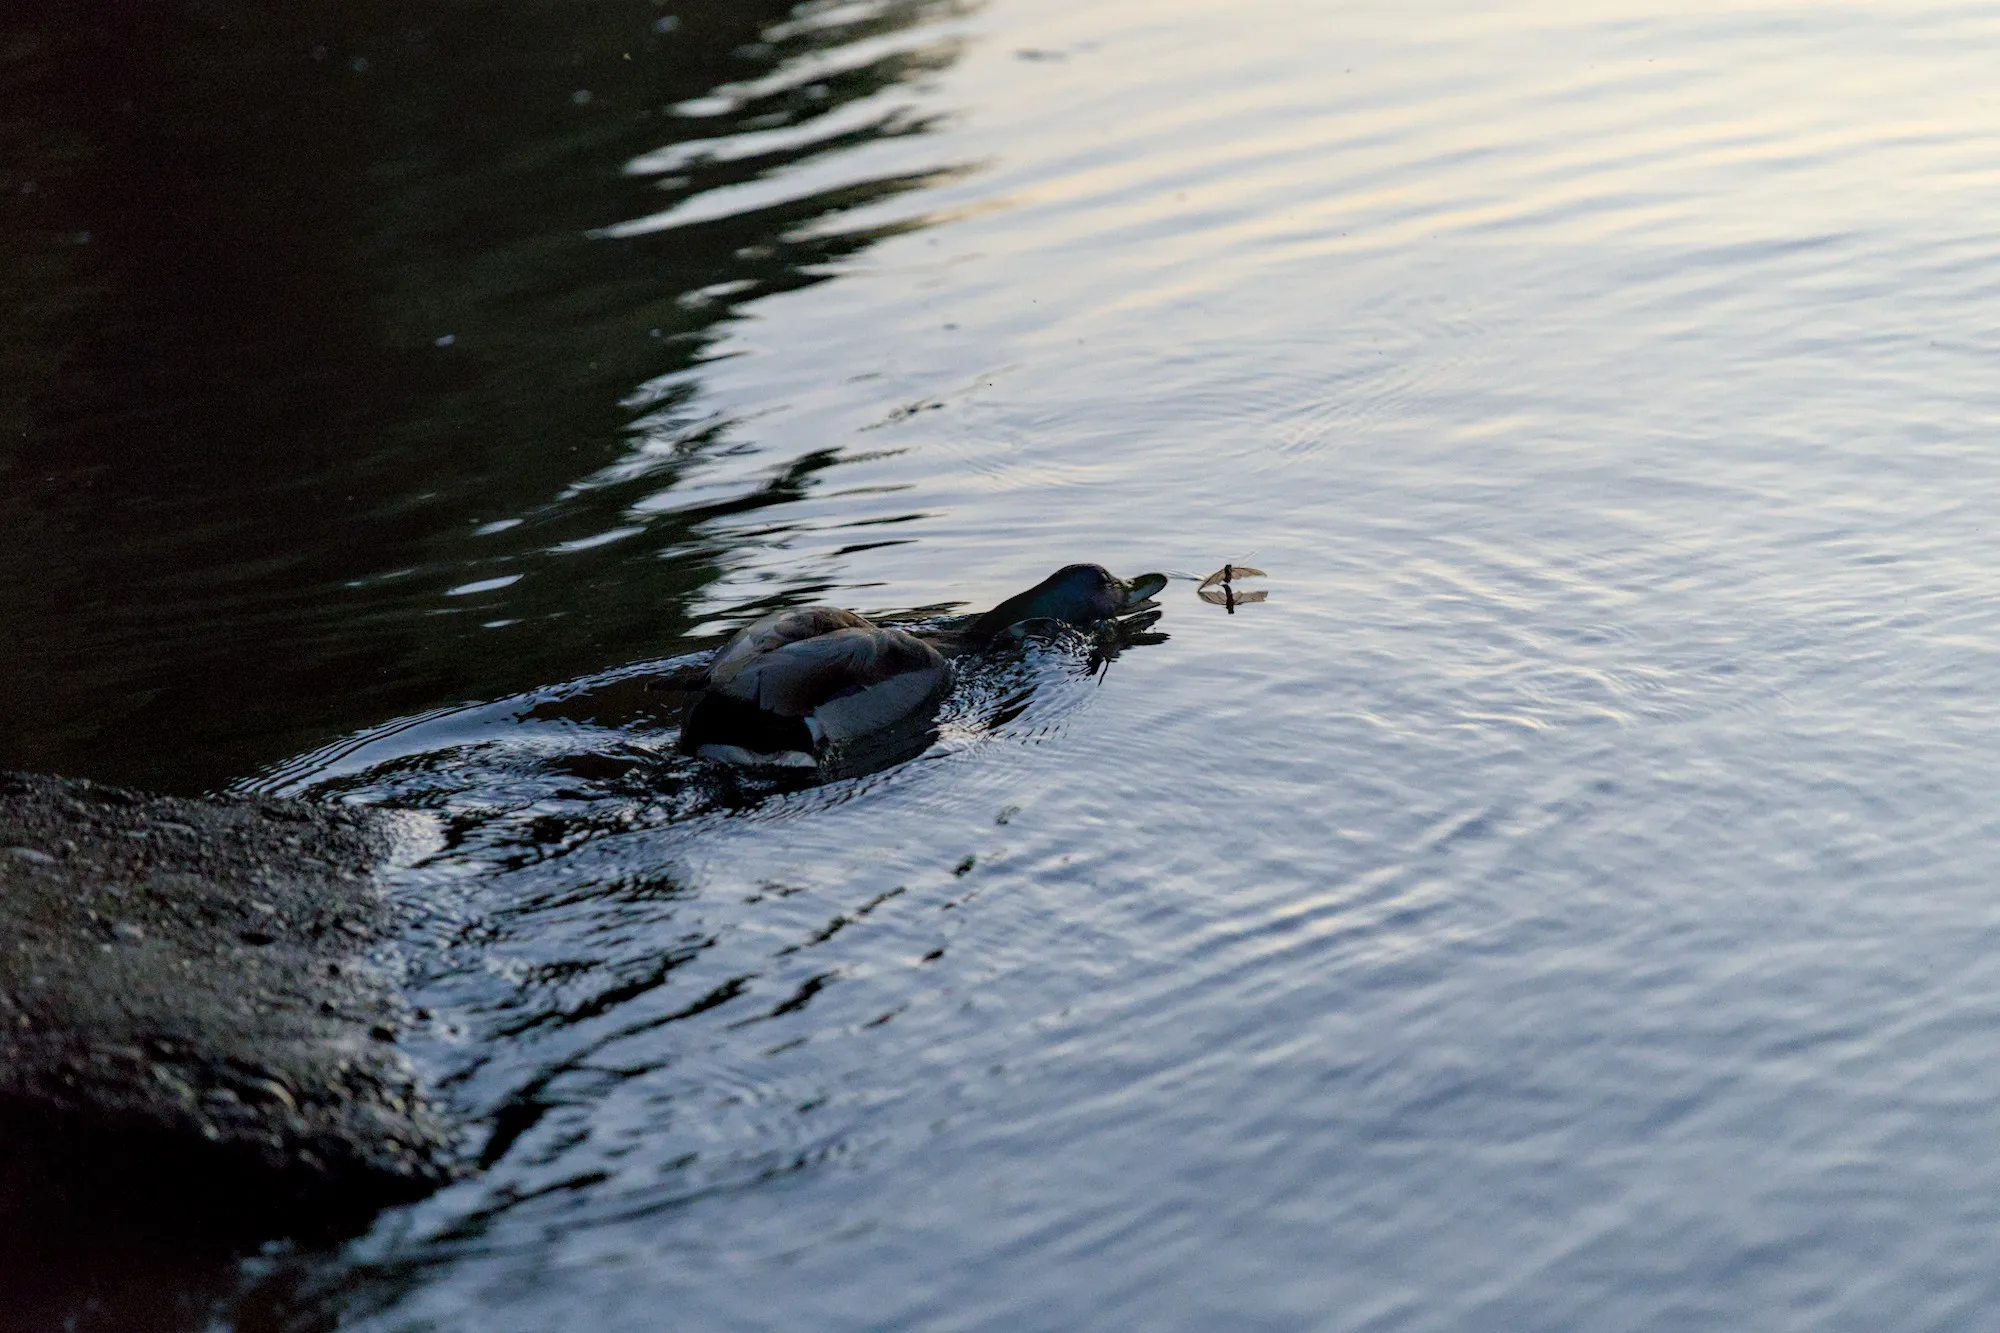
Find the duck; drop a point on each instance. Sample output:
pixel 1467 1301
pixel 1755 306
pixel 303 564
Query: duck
pixel 796 684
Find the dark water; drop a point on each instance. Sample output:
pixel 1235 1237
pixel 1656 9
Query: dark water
pixel 1568 902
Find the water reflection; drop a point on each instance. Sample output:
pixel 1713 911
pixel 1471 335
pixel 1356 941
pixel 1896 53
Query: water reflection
pixel 1567 905
pixel 359 373
pixel 586 958
pixel 374 361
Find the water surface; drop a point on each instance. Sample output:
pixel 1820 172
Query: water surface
pixel 1565 903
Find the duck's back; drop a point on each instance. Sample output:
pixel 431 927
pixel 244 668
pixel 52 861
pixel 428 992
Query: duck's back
pixel 795 678
pixel 780 628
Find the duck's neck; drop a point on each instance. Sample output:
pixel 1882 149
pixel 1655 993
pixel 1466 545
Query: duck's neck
pixel 1036 603
pixel 1076 595
pixel 957 641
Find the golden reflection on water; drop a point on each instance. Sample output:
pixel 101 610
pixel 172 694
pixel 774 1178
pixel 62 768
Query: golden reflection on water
pixel 1377 128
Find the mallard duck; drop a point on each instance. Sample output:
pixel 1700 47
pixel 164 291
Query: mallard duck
pixel 790 685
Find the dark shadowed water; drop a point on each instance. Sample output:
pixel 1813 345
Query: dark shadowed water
pixel 1570 901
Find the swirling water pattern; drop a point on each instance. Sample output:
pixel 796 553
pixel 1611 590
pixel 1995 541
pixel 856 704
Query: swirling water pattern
pixel 1567 903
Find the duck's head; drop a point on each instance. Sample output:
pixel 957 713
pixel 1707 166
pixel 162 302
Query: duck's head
pixel 1074 595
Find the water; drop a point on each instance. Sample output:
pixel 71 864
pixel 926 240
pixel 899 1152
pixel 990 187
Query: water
pixel 1565 903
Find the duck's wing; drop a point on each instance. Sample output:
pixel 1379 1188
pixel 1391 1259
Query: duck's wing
pixel 794 679
pixel 884 706
pixel 776 631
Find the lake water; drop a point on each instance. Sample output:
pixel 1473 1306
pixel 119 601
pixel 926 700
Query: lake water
pixel 1570 901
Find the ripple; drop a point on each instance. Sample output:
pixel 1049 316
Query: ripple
pixel 1587 844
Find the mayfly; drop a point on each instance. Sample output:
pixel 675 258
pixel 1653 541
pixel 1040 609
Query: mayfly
pixel 1219 588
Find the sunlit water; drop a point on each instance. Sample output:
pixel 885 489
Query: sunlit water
pixel 1569 902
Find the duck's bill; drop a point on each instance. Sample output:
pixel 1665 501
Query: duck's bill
pixel 1140 590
